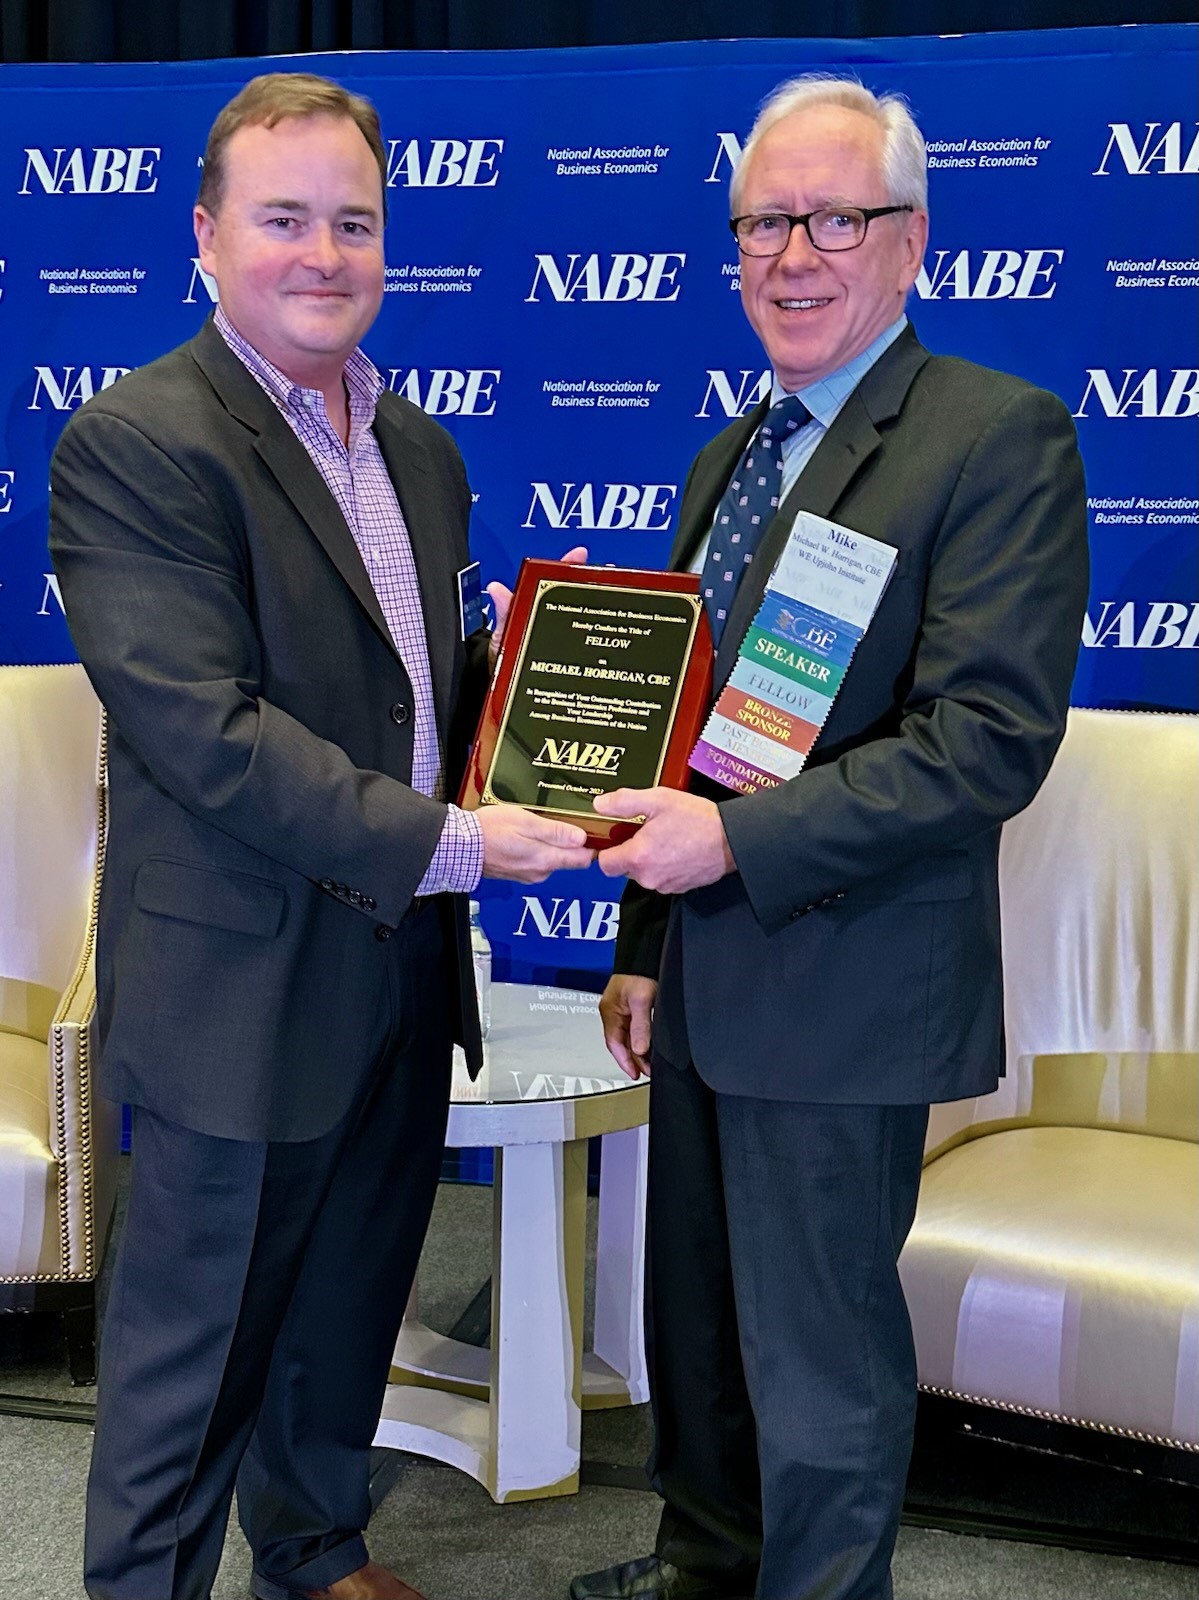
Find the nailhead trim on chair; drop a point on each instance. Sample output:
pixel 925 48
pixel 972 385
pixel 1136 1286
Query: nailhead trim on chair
pixel 47 1277
pixel 64 1220
pixel 1057 1416
pixel 85 1109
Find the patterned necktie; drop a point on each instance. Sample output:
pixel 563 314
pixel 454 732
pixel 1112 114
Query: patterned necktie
pixel 747 509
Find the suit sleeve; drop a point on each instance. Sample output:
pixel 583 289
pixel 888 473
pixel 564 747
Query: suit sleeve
pixel 159 597
pixel 994 661
pixel 642 932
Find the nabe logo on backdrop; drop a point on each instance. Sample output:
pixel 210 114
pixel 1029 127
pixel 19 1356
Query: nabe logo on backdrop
pixel 990 275
pixel 447 391
pixel 559 918
pixel 96 169
pixel 728 153
pixel 1154 392
pixel 68 387
pixel 1142 625
pixel 735 397
pixel 1155 147
pixel 7 478
pixel 610 507
pixel 204 281
pixel 443 163
pixel 51 592
pixel 616 279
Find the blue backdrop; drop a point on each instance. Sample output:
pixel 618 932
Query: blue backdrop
pixel 561 293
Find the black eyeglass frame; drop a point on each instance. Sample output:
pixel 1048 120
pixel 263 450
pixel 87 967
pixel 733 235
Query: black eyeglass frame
pixel 867 214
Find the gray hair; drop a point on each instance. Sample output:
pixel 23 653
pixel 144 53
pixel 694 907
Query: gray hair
pixel 905 163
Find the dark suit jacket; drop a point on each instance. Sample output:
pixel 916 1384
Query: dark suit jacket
pixel 854 956
pixel 263 832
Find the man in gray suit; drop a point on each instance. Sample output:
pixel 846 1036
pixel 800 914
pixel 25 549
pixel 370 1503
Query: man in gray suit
pixel 821 960
pixel 259 549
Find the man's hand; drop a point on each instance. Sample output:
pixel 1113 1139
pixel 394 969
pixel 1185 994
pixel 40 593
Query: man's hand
pixel 519 845
pixel 680 846
pixel 626 1010
pixel 501 599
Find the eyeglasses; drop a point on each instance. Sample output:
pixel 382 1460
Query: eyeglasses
pixel 768 233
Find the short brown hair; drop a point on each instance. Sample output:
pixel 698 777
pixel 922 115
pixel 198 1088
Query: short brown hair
pixel 271 98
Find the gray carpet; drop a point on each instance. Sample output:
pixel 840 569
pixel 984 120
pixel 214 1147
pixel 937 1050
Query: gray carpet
pixel 442 1532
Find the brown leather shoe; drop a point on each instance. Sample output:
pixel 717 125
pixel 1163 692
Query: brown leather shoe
pixel 371 1582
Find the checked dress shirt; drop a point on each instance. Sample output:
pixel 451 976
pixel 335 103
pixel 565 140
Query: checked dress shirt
pixel 357 478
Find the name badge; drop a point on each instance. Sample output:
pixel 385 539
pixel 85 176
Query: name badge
pixel 472 601
pixel 818 603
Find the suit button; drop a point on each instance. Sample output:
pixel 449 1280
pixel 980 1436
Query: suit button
pixel 369 903
pixel 382 933
pixel 328 885
pixel 400 713
pixel 354 897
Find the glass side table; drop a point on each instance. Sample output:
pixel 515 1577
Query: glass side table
pixel 511 1415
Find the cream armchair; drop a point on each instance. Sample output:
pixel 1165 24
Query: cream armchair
pixel 58 1143
pixel 1053 1268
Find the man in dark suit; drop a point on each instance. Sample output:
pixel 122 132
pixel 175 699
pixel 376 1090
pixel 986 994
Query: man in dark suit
pixel 820 960
pixel 258 548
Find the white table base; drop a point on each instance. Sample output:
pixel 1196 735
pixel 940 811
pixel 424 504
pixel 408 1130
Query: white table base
pixel 511 1416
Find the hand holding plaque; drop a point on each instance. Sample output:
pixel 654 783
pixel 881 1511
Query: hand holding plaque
pixel 602 683
pixel 501 601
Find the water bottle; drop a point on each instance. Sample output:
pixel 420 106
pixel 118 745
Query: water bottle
pixel 480 950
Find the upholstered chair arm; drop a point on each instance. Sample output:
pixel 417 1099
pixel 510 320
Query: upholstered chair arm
pixel 74 1125
pixel 1009 1106
pixel 947 1126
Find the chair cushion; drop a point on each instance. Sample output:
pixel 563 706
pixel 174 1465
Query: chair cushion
pixel 49 735
pixel 27 1169
pixel 1056 1270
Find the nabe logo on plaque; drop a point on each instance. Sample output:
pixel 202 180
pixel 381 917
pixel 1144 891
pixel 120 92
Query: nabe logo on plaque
pixel 603 683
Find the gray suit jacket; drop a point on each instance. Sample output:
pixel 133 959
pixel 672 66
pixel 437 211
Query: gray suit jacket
pixel 264 836
pixel 854 956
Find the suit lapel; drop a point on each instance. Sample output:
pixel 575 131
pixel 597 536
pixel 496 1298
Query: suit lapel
pixel 303 485
pixel 839 457
pixel 288 463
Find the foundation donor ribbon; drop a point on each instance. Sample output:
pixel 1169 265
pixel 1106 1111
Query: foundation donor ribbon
pixel 818 603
